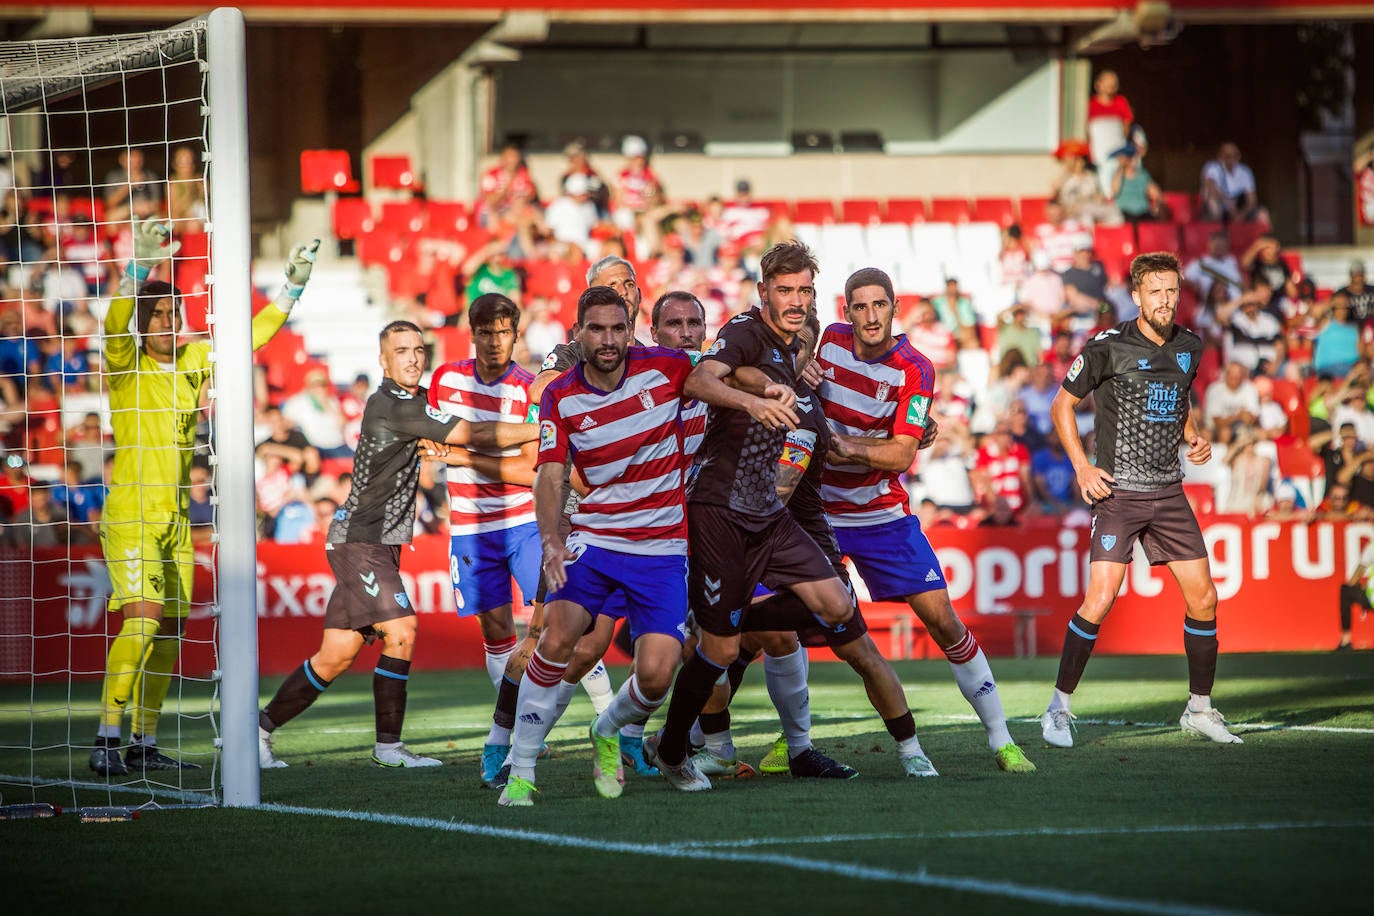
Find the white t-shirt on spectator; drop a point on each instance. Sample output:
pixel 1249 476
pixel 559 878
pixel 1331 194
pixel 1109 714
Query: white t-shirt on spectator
pixel 1362 419
pixel 572 222
pixel 1239 180
pixel 1204 271
pixel 945 479
pixel 1222 401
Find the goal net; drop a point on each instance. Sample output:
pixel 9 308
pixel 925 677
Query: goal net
pixel 97 133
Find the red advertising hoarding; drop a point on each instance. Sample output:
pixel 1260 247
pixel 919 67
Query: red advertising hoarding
pixel 1277 583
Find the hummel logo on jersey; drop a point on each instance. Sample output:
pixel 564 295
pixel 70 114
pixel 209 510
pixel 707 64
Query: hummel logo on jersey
pixel 932 576
pixel 370 584
pixel 1107 333
pixel 586 424
pixel 1142 364
pixel 777 357
pixel 712 590
pixel 987 688
pixel 531 718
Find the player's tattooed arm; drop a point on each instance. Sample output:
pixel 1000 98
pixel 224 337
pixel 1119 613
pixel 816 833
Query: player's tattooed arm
pixel 789 475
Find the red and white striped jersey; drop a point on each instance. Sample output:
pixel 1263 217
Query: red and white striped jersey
pixel 693 427
pixel 478 503
pixel 627 444
pixel 881 398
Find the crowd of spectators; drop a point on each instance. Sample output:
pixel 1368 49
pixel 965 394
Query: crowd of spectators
pixel 1284 390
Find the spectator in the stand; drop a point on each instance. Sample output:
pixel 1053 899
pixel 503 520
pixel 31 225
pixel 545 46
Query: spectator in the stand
pixel 944 472
pixel 1085 286
pixel 1059 237
pixel 1037 396
pixel 743 220
pixel 1354 405
pixel 503 186
pixel 1216 265
pixel 1231 403
pixel 1134 191
pixel 316 412
pixel 1228 189
pixel 1336 347
pixel 1053 478
pixel 1010 374
pixel 1288 504
pixel 1336 445
pixel 90 254
pixel 597 191
pixel 1060 356
pixel 1023 431
pixel 56 173
pixel 351 403
pixel 1265 263
pixel 1043 292
pixel 1339 506
pixel 1000 514
pixel 42 523
pixel 20 355
pixel 186 191
pixel 285 442
pixel 572 215
pixel 542 330
pixel 1247 488
pixel 638 201
pixel 279 483
pixel 85 447
pixel 1014 260
pixel 202 508
pixel 1252 331
pixel 1002 468
pixel 132 189
pixel 1109 115
pixel 930 337
pixel 700 241
pixel 1015 333
pixel 1360 295
pixel 489 270
pixel 1271 420
pixel 955 310
pixel 1079 192
pixel 67 365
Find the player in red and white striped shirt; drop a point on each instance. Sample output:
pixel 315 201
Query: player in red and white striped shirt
pixel 491 507
pixel 614 419
pixel 877 393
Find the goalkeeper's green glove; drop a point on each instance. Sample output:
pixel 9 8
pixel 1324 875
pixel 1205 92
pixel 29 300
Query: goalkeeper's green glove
pixel 152 246
pixel 299 264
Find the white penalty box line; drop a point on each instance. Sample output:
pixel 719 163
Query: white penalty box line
pixel 866 873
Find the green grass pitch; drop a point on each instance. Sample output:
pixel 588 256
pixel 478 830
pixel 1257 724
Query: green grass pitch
pixel 1136 818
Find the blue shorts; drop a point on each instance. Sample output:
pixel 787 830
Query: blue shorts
pixel 894 559
pixel 482 566
pixel 649 591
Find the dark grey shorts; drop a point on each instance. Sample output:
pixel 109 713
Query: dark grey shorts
pixel 1161 520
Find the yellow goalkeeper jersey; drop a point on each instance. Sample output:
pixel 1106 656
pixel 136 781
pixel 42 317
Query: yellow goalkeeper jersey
pixel 154 408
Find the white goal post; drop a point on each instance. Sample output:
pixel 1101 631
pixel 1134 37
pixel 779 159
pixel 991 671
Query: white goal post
pixel 41 81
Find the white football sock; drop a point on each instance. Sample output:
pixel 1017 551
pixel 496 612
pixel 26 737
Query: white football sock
pixel 1059 700
pixel 974 678
pixel 628 706
pixel 565 695
pixel 536 711
pixel 597 683
pixel 786 679
pixel 497 655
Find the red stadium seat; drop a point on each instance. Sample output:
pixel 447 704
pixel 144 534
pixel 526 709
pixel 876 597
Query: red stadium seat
pixel 1033 212
pixel 1297 460
pixel 379 247
pixel 1294 261
pixel 403 215
pixel 1180 204
pixel 194 244
pixel 1114 246
pixel 999 210
pixel 352 218
pixel 1195 236
pixel 448 218
pixel 1157 237
pixel 861 210
pixel 813 211
pixel 949 210
pixel 393 173
pixel 905 210
pixel 560 282
pixel 327 170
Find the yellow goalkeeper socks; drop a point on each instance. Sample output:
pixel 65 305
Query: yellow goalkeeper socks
pixel 128 654
pixel 150 688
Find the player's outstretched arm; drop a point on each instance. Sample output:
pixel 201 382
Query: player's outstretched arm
pixel 516 470
pixel 300 263
pixel 151 248
pixel 752 380
pixel 895 454
pixel 705 384
pixel 492 434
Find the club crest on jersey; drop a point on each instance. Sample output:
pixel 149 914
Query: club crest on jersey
pixel 402 599
pixel 883 390
pixel 647 399
pixel 715 348
pixel 548 435
pixel 1076 367
pixel 735 616
pixel 505 406
pixel 917 410
pixel 437 415
pixel 1184 360
pixel 1108 541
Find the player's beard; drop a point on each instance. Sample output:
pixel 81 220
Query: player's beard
pixel 1161 329
pixel 604 362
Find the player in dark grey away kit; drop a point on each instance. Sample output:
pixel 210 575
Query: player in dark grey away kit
pixel 364 548
pixel 1141 372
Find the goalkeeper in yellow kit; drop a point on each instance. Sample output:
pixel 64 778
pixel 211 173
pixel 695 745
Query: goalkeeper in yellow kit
pixel 155 388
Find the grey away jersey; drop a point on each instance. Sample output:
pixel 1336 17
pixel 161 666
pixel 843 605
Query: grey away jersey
pixel 380 508
pixel 1142 401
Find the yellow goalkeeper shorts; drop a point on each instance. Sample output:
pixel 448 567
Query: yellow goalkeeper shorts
pixel 149 561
